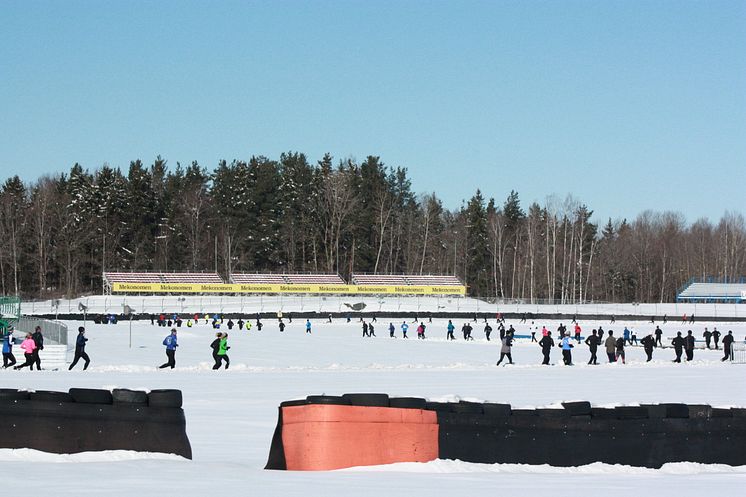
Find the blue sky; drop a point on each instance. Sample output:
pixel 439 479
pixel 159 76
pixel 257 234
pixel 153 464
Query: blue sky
pixel 627 105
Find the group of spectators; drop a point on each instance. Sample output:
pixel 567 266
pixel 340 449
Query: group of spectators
pixel 31 345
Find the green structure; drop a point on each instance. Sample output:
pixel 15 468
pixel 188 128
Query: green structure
pixel 10 312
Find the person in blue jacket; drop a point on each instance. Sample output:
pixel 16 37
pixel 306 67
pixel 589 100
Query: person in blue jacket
pixel 171 344
pixel 626 336
pixel 8 358
pixel 404 328
pixel 308 326
pixel 566 350
pixel 80 350
pixel 450 328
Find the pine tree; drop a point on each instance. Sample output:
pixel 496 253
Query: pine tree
pixel 477 252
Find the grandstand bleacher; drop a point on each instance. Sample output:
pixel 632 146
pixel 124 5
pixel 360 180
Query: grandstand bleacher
pixel 379 279
pixel 434 280
pixel 713 292
pixel 405 280
pixel 140 281
pixel 315 279
pixel 206 278
pixel 113 278
pixel 132 278
pixel 257 279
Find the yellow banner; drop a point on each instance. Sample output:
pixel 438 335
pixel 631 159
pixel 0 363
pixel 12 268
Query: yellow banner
pixel 297 288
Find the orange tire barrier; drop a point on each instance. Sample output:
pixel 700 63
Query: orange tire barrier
pixel 323 437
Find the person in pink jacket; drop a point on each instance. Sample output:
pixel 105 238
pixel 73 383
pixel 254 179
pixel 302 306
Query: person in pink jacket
pixel 28 346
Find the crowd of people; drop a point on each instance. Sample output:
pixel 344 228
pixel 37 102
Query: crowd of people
pixel 614 346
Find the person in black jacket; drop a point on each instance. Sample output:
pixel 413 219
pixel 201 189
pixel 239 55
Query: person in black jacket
pixel 728 346
pixel 215 346
pixel 689 345
pixel 658 335
pixel 39 341
pixel 678 346
pixel 546 343
pixel 80 350
pixel 707 336
pixel 620 350
pixel 487 331
pixel 648 344
pixel 716 337
pixel 592 342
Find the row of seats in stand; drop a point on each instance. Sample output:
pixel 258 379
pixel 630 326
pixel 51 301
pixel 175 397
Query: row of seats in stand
pixel 286 279
pixel 206 278
pixel 258 279
pixel 713 291
pixel 121 277
pixel 405 280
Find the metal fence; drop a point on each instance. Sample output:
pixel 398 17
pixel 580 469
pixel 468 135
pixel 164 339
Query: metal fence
pixel 54 332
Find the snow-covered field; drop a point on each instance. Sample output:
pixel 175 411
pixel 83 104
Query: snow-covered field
pixel 231 414
pixel 250 304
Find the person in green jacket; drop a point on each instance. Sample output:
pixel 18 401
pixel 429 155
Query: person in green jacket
pixel 220 350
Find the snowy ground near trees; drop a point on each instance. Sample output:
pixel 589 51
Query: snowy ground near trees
pixel 324 304
pixel 231 414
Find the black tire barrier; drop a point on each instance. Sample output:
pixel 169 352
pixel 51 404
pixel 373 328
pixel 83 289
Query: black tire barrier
pixel 328 399
pixel 368 399
pixel 602 413
pixel 647 435
pixel 553 413
pixel 497 410
pixel 578 408
pixel 126 396
pixel 407 402
pixel 12 394
pixel 91 396
pixel 631 412
pixel 436 406
pixel 165 398
pixel 677 411
pixel 656 410
pixel 524 413
pixel 468 407
pixel 58 422
pixel 47 396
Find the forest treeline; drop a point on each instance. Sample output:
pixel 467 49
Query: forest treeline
pixel 60 232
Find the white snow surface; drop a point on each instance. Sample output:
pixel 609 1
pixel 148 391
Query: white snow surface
pixel 231 414
pixel 323 304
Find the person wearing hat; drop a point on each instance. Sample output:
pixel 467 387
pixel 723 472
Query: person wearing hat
pixel 171 344
pixel 80 350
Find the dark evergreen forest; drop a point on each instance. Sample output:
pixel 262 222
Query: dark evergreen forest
pixel 59 233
